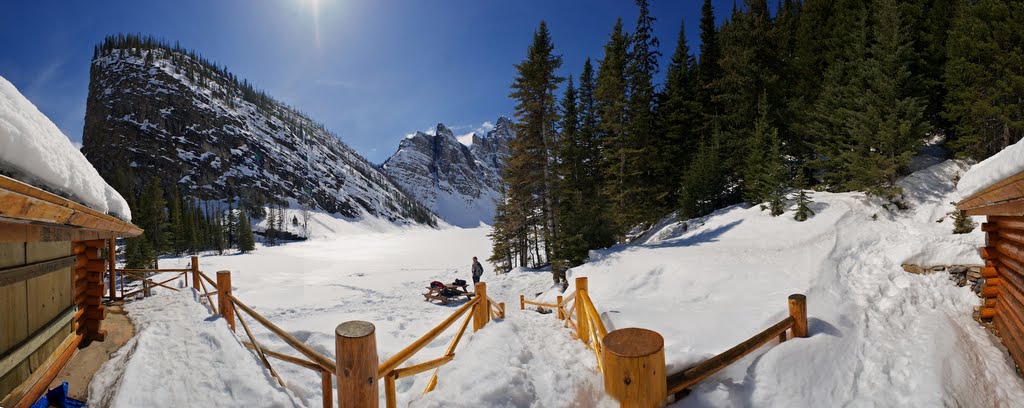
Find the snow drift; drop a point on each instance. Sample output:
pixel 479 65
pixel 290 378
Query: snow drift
pixel 36 152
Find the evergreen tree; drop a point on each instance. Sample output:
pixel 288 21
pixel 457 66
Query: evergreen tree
pixel 803 200
pixel 528 204
pixel 679 117
pixel 270 232
pixel 635 200
pixel 765 175
pixel 708 69
pixel 702 188
pixel 571 246
pixel 246 241
pixel 610 92
pixel 219 243
pixel 985 77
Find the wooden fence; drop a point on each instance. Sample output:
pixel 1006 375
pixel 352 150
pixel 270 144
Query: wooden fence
pixel 355 341
pixel 632 360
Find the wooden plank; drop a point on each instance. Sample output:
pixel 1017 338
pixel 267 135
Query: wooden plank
pixel 48 295
pixel 400 357
pixel 41 379
pixel 18 231
pixel 56 207
pixel 33 343
pixel 1003 188
pixel 1009 340
pixel 12 380
pixel 421 367
pixel 324 362
pixel 22 273
pixel 286 358
pixel 13 309
pixel 687 378
pixel 1014 207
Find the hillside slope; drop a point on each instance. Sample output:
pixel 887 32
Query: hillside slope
pixel 160 111
pixel 879 336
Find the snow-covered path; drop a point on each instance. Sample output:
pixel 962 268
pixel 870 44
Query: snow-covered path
pixel 181 356
pixel 879 336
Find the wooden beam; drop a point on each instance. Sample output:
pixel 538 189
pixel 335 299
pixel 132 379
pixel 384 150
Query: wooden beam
pixel 56 209
pixel 404 354
pixel 36 340
pixel 687 378
pixel 422 367
pixel 324 362
pixel 41 379
pixel 21 273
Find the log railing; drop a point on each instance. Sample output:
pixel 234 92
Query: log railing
pixel 632 360
pixel 229 306
pixel 353 341
pixel 480 310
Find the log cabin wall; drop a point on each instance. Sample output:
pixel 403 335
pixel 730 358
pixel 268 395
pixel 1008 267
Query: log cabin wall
pixel 1004 281
pixel 36 307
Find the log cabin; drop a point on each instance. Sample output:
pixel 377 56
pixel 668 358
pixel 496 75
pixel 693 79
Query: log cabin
pixel 53 256
pixel 1002 203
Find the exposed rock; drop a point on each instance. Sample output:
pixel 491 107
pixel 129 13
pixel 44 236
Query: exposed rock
pixel 459 183
pixel 166 114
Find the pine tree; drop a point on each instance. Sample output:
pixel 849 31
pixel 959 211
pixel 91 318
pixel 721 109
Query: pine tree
pixel 765 175
pixel 246 241
pixel 610 100
pixel 679 118
pixel 985 77
pixel 803 200
pixel 708 69
pixel 270 232
pixel 528 205
pixel 571 246
pixel 635 199
pixel 219 244
pixel 702 186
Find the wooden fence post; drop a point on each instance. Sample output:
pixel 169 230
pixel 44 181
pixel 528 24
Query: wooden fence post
pixel 501 310
pixel 326 388
pixel 798 310
pixel 195 273
pixel 558 301
pixel 356 350
pixel 522 302
pixel 582 322
pixel 223 302
pixel 112 266
pixel 482 309
pixel 634 367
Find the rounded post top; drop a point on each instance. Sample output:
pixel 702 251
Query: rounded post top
pixel 798 297
pixel 354 329
pixel 633 342
pixel 224 272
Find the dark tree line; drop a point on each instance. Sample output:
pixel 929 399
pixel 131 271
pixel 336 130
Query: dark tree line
pixel 178 225
pixel 834 95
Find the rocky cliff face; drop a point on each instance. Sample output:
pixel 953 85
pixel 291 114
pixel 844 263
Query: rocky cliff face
pixel 169 114
pixel 459 183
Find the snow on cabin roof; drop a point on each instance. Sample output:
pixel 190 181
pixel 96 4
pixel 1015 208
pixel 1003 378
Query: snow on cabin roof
pixel 35 151
pixel 1002 165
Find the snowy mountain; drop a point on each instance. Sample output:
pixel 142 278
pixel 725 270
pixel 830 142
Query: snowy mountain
pixel 460 183
pixel 160 111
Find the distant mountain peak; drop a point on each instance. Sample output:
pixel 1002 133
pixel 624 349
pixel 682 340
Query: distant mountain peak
pixel 458 178
pixel 159 111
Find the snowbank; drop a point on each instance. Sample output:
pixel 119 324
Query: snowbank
pixel 35 151
pixel 1006 163
pixel 182 356
pixel 879 336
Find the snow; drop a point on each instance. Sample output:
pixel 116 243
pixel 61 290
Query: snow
pixel 36 152
pixel 879 336
pixel 1006 163
pixel 183 359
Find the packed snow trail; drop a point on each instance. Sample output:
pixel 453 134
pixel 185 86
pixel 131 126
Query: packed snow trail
pixel 181 356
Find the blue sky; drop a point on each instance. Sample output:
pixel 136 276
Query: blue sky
pixel 371 71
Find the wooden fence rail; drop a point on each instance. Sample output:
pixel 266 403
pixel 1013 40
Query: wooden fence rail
pixel 632 360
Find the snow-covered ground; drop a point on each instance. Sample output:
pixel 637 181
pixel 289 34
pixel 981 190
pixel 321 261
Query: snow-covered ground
pixel 879 336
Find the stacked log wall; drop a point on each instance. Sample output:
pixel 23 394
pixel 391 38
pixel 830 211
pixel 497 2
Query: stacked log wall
pixel 1003 288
